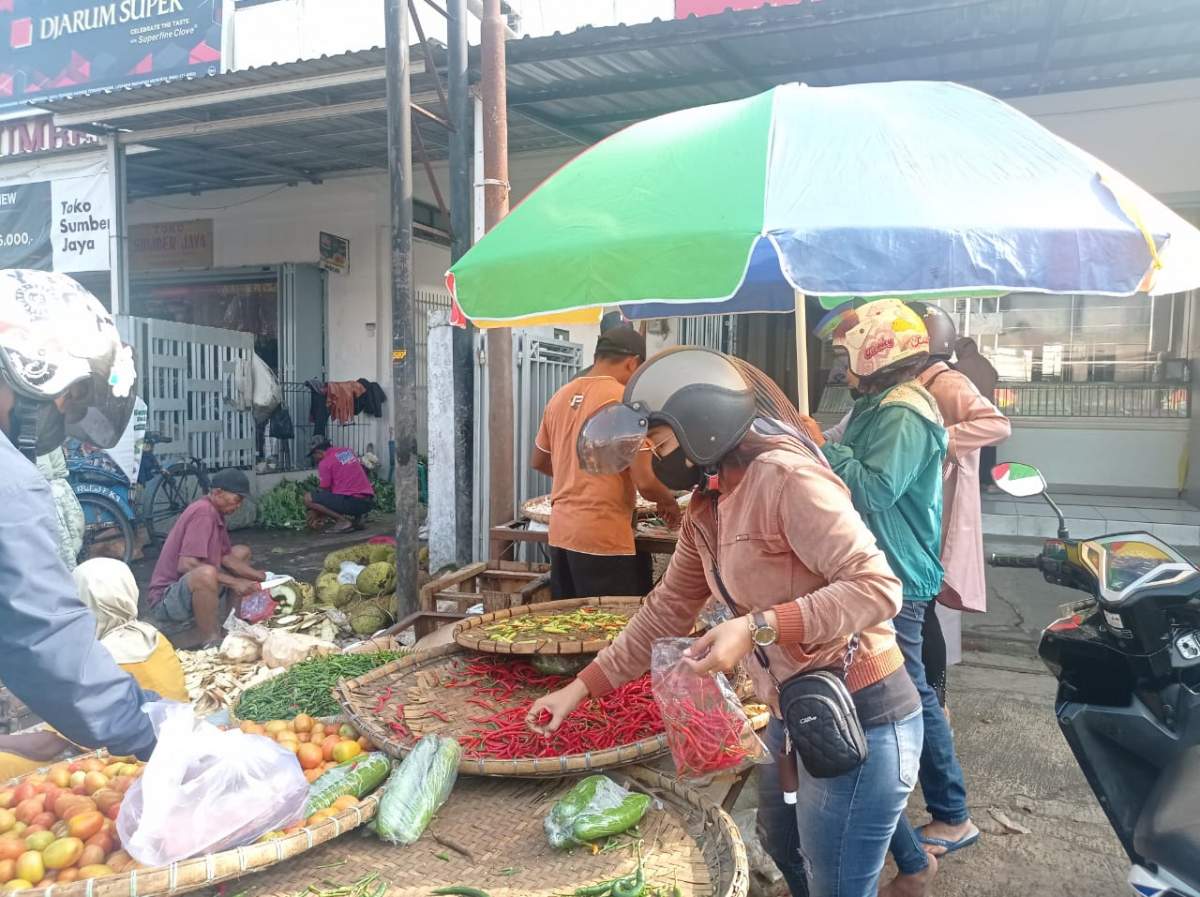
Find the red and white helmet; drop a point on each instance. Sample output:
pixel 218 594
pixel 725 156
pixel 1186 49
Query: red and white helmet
pixel 880 334
pixel 54 334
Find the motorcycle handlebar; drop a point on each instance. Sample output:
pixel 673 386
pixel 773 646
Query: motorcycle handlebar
pixel 1013 560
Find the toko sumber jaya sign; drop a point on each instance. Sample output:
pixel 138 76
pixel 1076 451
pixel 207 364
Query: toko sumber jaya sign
pixel 52 48
pixel 57 217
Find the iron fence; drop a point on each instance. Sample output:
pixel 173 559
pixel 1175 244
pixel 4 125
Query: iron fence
pixel 289 455
pixel 1117 400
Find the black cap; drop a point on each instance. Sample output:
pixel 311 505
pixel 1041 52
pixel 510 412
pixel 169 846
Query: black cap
pixel 230 480
pixel 319 444
pixel 621 341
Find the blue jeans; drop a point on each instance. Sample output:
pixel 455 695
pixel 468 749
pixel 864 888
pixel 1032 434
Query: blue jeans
pixel 941 776
pixel 836 841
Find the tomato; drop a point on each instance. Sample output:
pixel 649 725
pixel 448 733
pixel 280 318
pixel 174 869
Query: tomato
pixel 91 765
pixel 11 848
pixel 346 750
pixel 303 723
pixel 81 805
pixel 347 731
pixel 17 884
pixel 28 809
pixel 68 875
pixel 60 775
pixel 30 866
pixel 121 784
pixel 327 746
pixel 311 775
pixel 97 870
pixel 51 791
pixel 310 756
pixel 345 802
pixel 84 825
pixel 118 861
pixel 106 841
pixel 94 781
pixel 92 855
pixel 63 853
pixel 8 870
pixel 45 819
pixel 39 840
pixel 6 798
pixel 113 812
pixel 7 820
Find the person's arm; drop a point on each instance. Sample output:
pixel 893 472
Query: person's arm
pixel 49 656
pixel 539 458
pixel 237 583
pixel 883 471
pixel 980 422
pixel 653 490
pixel 242 569
pixel 325 473
pixel 838 430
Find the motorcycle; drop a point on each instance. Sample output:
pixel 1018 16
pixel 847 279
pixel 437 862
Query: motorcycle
pixel 1127 661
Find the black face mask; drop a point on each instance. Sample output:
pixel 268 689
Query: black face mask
pixel 856 393
pixel 674 472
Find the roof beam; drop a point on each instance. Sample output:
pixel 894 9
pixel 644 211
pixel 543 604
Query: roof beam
pixel 293 175
pixel 557 125
pixel 271 88
pixel 139 164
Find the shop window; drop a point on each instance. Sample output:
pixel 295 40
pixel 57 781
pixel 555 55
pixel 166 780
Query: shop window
pixel 247 304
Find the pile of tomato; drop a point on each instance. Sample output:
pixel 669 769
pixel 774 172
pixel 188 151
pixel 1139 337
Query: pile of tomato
pixel 60 826
pixel 317 746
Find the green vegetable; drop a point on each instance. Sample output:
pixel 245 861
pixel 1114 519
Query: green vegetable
pixel 628 813
pixel 416 790
pixel 631 885
pixel 561 818
pixel 283 506
pixel 460 891
pixel 306 687
pixel 599 889
pixel 359 777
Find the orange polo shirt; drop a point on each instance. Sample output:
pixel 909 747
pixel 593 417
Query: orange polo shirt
pixel 592 513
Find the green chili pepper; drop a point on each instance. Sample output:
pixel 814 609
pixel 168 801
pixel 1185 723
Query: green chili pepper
pixel 460 891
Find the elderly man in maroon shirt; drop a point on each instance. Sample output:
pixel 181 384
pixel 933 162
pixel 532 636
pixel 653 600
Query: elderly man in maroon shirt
pixel 199 570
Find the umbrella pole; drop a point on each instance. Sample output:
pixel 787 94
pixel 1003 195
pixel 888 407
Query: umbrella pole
pixel 801 355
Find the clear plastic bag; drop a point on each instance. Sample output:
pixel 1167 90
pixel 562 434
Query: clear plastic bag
pixel 707 730
pixel 416 790
pixel 205 790
pixel 256 607
pixel 594 809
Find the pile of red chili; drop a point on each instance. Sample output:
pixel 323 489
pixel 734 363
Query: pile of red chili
pixel 621 717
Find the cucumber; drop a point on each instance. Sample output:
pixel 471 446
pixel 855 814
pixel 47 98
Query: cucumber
pixel 627 814
pixel 359 777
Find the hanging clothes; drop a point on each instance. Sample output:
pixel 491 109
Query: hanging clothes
pixel 372 400
pixel 281 424
pixel 340 397
pixel 318 407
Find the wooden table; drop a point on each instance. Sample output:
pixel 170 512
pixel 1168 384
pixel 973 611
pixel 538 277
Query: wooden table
pixel 659 541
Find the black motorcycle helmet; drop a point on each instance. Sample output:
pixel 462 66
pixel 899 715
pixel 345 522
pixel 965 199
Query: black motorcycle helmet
pixel 942 332
pixel 696 392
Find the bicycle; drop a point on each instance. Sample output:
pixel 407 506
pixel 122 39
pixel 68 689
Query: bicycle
pixel 114 508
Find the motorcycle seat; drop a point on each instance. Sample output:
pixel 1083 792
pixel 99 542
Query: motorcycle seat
pixel 1168 829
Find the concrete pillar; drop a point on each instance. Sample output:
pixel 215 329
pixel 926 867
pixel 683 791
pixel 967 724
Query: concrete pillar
pixel 442 520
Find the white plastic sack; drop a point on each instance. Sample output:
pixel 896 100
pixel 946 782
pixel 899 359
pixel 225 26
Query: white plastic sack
pixel 282 649
pixel 266 394
pixel 205 790
pixel 348 575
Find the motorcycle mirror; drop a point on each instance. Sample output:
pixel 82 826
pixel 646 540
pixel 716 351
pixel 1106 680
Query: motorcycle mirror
pixel 1019 480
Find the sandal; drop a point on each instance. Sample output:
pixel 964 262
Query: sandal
pixel 948 847
pixel 343 526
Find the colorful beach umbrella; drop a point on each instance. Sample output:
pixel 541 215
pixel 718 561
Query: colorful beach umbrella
pixel 916 189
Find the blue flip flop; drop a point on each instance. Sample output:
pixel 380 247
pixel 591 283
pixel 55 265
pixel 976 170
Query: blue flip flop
pixel 949 846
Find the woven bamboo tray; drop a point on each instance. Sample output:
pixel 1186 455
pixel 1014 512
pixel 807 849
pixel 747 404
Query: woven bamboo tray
pixel 538 509
pixel 472 632
pixel 201 872
pixel 688 840
pixel 415 679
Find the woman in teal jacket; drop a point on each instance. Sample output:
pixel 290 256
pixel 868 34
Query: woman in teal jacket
pixel 890 456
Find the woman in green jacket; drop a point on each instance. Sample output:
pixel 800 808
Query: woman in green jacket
pixel 890 456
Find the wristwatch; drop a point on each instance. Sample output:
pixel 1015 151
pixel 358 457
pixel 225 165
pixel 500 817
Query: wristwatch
pixel 760 633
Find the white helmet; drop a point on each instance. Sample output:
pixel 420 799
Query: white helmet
pixel 55 336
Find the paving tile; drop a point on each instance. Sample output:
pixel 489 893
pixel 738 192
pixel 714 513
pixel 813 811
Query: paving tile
pixel 1175 534
pixel 1155 515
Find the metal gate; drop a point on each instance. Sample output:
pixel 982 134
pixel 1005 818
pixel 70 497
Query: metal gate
pixel 195 381
pixel 711 331
pixel 540 367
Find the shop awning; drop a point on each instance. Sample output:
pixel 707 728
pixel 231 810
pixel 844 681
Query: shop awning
pixel 307 120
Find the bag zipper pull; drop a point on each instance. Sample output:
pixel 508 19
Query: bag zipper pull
pixel 789 779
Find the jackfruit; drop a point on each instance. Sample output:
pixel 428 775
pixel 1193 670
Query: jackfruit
pixel 383 554
pixel 377 579
pixel 345 594
pixel 327 588
pixel 359 554
pixel 368 617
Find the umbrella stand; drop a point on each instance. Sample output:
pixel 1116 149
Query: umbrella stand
pixel 801 356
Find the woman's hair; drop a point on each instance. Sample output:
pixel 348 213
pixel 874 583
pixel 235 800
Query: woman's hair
pixel 893 375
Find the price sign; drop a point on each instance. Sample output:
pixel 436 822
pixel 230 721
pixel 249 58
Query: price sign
pixel 25 226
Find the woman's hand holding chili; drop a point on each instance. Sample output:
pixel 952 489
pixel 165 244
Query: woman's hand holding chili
pixel 724 645
pixel 558 704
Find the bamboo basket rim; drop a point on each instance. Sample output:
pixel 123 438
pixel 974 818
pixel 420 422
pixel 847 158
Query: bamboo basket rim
pixel 528 767
pixel 463 631
pixel 209 869
pixel 643 509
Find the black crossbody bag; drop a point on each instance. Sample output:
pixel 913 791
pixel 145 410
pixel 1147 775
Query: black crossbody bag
pixel 819 715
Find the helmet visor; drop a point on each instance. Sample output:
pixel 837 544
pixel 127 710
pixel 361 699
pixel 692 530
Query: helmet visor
pixel 611 438
pixel 91 413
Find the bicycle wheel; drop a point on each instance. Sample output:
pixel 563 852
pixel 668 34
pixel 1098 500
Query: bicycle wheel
pixel 107 532
pixel 168 494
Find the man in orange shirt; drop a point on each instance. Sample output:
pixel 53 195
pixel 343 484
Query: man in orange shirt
pixel 591 525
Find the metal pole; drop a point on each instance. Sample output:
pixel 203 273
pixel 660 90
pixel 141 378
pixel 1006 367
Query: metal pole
pixel 404 372
pixel 118 253
pixel 801 355
pixel 502 504
pixel 461 202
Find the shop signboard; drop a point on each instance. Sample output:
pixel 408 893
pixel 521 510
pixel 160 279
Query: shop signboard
pixel 55 217
pixel 171 245
pixel 38 134
pixel 335 253
pixel 54 49
pixel 685 8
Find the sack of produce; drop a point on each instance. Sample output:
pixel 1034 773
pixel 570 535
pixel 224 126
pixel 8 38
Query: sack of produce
pixel 416 790
pixel 357 777
pixel 595 808
pixel 284 649
pixel 707 729
pixel 205 790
